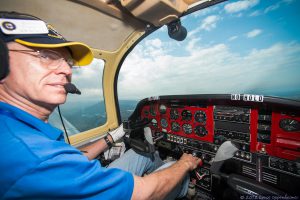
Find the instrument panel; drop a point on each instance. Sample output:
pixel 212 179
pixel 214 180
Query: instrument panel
pixel 267 133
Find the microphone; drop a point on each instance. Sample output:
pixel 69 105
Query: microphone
pixel 71 88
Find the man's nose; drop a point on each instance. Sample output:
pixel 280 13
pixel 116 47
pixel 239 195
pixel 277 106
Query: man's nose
pixel 64 68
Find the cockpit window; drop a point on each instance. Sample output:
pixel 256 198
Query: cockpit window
pixel 237 47
pixel 86 111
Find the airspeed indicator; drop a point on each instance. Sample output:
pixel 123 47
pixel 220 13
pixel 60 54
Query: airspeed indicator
pixel 187 128
pixel 164 123
pixel 200 116
pixel 175 127
pixel 200 131
pixel 174 113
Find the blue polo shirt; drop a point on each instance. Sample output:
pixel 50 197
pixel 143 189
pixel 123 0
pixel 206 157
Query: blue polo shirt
pixel 36 163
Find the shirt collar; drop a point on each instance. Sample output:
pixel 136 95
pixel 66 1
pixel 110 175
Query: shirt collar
pixel 47 129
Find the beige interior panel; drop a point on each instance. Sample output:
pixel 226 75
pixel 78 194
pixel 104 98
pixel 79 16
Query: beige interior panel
pixel 165 10
pixel 95 28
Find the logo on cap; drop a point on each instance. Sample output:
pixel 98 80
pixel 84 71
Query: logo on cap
pixel 54 33
pixel 8 25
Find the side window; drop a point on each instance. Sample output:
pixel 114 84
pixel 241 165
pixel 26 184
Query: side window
pixel 86 111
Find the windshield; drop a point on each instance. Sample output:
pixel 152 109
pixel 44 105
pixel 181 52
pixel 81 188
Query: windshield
pixel 237 47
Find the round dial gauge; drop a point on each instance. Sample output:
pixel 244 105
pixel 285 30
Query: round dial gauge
pixel 154 122
pixel 200 116
pixel 290 125
pixel 162 109
pixel 186 115
pixel 146 112
pixel 187 128
pixel 200 131
pixel 152 110
pixel 175 127
pixel 174 114
pixel 164 123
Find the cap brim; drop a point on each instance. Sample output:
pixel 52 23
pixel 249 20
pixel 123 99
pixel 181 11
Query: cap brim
pixel 81 53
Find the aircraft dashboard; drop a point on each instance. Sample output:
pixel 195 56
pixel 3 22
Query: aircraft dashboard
pixel 265 129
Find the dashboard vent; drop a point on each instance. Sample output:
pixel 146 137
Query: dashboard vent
pixel 266 177
pixel 271 178
pixel 249 171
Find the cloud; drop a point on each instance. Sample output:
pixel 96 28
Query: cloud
pixel 254 33
pixel 272 7
pixel 209 22
pixel 240 6
pixel 155 42
pixel 233 38
pixel 192 44
pixel 213 69
pixel 277 5
pixel 255 13
pixel 288 1
pixel 206 11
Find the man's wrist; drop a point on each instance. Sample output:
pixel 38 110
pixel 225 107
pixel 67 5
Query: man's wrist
pixel 184 164
pixel 108 140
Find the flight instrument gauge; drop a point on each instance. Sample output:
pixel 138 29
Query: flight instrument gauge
pixel 186 115
pixel 175 127
pixel 200 131
pixel 200 116
pixel 152 110
pixel 187 128
pixel 154 122
pixel 290 125
pixel 164 123
pixel 174 114
pixel 162 109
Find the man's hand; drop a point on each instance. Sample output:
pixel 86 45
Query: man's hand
pixel 158 184
pixel 190 161
pixel 117 134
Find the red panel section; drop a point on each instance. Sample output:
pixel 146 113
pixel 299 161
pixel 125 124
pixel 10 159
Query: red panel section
pixel 254 146
pixel 149 110
pixel 284 144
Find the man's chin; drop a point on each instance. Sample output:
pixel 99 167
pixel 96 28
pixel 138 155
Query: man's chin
pixel 56 95
pixel 56 100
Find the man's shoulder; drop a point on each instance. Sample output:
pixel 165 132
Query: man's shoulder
pixel 24 149
pixel 24 145
pixel 28 141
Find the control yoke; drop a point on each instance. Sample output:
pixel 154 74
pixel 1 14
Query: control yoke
pixel 138 136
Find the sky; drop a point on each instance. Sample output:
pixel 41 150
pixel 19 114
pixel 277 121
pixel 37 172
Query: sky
pixel 246 46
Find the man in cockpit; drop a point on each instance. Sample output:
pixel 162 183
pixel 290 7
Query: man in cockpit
pixel 36 63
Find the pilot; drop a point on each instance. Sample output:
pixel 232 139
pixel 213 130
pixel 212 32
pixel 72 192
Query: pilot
pixel 36 63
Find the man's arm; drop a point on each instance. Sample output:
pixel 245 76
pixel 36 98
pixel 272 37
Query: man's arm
pixel 158 184
pixel 93 150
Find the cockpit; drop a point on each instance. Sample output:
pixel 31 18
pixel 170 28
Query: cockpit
pixel 264 157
